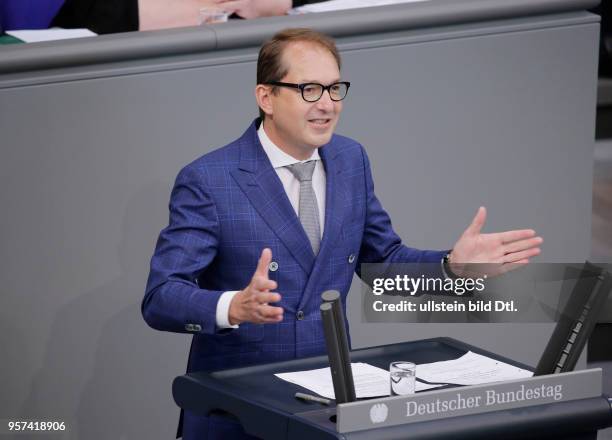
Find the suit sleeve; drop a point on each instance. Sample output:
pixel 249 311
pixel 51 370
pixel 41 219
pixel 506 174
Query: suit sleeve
pixel 186 247
pixel 380 243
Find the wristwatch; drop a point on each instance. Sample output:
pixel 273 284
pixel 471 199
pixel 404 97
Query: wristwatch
pixel 446 266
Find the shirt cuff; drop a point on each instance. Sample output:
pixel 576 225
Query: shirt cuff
pixel 223 305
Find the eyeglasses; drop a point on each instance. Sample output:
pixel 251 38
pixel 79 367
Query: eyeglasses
pixel 312 92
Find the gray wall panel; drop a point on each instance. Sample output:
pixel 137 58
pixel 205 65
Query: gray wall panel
pixel 504 119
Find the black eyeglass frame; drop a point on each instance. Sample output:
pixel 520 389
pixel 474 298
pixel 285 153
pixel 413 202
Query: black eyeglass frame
pixel 302 86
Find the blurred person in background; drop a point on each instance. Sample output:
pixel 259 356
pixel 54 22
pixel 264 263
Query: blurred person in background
pixel 111 16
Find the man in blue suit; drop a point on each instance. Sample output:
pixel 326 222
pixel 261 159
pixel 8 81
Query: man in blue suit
pixel 259 228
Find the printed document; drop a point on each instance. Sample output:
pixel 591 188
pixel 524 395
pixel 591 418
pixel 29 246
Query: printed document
pixel 370 381
pixel 470 369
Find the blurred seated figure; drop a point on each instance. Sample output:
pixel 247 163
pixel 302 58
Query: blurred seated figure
pixel 157 14
pixel 110 16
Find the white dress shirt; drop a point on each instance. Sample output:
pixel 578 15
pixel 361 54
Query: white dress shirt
pixel 279 160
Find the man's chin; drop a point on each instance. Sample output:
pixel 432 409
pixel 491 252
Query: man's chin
pixel 319 141
pixel 322 137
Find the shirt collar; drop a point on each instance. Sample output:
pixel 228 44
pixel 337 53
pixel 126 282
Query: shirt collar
pixel 278 158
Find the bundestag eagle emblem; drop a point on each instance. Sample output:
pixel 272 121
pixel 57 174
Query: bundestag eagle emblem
pixel 378 413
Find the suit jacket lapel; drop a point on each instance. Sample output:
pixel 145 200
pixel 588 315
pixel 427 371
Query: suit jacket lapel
pixel 333 211
pixel 261 184
pixel 334 187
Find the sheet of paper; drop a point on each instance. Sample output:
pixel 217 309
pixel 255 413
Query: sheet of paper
pixel 370 381
pixel 36 36
pixel 337 5
pixel 470 369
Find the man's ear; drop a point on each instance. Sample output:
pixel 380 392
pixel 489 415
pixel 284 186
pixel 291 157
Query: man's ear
pixel 263 95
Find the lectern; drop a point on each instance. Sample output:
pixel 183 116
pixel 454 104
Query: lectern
pixel 266 407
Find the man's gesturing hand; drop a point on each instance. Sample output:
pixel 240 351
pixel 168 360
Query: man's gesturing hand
pixel 251 303
pixel 507 250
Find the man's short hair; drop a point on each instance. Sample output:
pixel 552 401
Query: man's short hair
pixel 270 66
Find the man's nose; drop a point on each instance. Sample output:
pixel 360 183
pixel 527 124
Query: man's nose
pixel 325 102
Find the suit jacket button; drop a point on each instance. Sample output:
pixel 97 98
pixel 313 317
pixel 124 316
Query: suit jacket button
pixel 189 327
pixel 351 258
pixel 273 266
pixel 299 315
pixel 197 328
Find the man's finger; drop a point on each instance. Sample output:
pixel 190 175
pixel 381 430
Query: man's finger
pixel 264 262
pixel 267 297
pixel 261 283
pixel 478 222
pixel 270 312
pixel 521 245
pixel 520 234
pixel 520 256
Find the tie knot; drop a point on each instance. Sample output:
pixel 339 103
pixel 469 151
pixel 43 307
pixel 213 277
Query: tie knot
pixel 303 171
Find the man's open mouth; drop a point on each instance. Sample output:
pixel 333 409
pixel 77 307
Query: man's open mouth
pixel 319 122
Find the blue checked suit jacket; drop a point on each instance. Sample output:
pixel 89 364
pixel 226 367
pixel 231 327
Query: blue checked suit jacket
pixel 225 208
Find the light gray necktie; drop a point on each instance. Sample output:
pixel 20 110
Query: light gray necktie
pixel 308 209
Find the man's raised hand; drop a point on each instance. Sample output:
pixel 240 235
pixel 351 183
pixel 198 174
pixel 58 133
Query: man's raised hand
pixel 251 303
pixel 503 250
